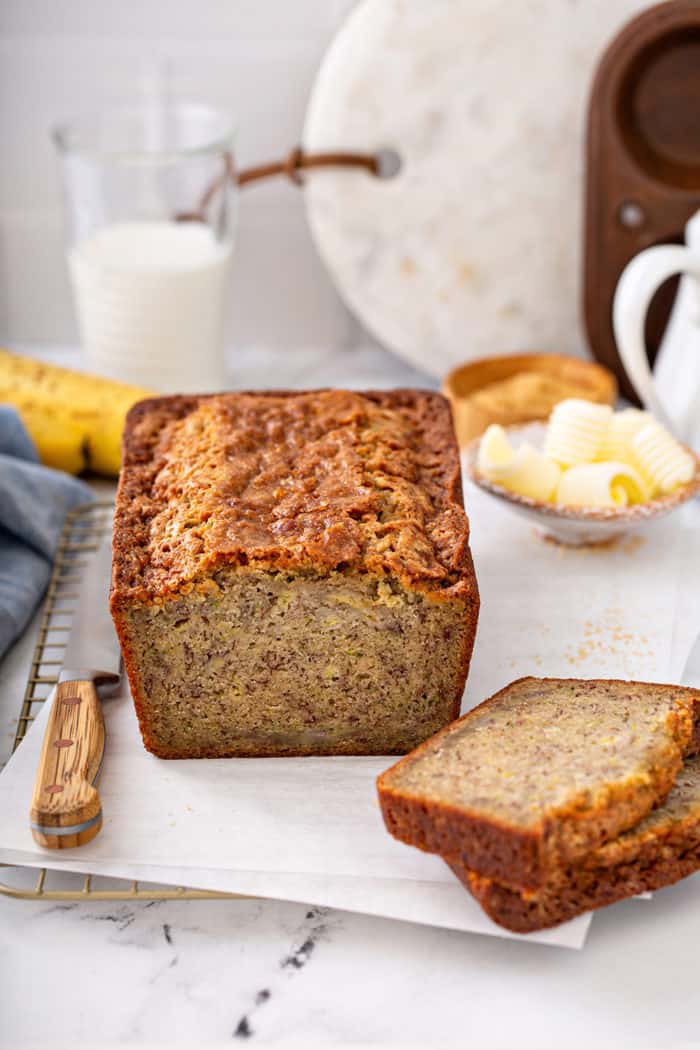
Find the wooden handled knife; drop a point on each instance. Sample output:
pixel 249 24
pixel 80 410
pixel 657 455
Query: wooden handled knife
pixel 66 810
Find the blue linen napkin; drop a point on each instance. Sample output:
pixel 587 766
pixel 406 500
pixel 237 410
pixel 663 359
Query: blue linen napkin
pixel 34 501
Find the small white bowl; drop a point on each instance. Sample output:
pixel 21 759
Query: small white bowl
pixel 576 526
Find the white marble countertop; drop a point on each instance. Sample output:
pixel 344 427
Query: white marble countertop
pixel 220 972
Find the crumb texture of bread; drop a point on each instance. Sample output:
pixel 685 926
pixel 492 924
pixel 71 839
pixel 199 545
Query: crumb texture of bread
pixel 540 774
pixel 274 663
pixel 292 573
pixel 663 848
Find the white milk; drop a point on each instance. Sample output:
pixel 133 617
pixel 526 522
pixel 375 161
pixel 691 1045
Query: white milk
pixel 151 299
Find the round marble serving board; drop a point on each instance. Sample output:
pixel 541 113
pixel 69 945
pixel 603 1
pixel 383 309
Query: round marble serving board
pixel 474 247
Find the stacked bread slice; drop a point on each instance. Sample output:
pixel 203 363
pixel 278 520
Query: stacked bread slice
pixel 556 796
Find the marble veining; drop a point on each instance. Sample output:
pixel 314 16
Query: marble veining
pixel 474 247
pixel 316 928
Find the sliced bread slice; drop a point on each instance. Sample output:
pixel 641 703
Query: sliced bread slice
pixel 541 774
pixel 663 848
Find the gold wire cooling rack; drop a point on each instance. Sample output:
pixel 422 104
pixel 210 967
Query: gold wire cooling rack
pixel 84 529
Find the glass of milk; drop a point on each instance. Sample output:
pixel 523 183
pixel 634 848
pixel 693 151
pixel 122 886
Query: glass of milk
pixel 151 212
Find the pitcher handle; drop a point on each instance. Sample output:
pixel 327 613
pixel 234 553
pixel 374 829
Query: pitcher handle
pixel 635 290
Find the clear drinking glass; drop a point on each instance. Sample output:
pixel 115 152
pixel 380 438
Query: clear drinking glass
pixel 151 214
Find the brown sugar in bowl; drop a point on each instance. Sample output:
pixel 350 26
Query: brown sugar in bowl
pixel 520 388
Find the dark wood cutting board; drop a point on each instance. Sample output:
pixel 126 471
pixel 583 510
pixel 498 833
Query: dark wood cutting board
pixel 642 162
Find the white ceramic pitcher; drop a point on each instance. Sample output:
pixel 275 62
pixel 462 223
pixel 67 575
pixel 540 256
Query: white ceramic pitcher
pixel 672 393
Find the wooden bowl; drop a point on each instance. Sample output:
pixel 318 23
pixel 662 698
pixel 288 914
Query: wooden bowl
pixel 589 380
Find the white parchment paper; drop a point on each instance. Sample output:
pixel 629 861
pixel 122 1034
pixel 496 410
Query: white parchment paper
pixel 310 829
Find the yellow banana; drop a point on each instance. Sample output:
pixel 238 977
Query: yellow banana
pixel 75 419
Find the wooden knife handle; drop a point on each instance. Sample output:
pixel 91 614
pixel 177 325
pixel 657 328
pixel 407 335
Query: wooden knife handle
pixel 66 809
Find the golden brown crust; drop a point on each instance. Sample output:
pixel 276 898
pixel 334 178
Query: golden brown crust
pixel 311 481
pixel 526 914
pixel 662 848
pixel 524 857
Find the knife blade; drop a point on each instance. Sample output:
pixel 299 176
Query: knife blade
pixel 66 810
pixel 93 650
pixel 691 672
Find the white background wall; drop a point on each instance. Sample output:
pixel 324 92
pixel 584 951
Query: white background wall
pixel 254 58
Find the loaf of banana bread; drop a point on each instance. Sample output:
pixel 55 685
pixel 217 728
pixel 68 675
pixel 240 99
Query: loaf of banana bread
pixel 292 573
pixel 663 848
pixel 541 774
